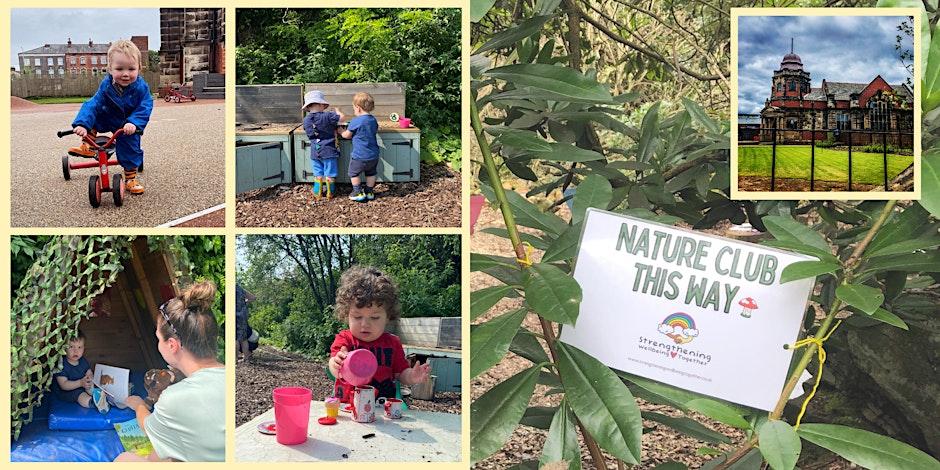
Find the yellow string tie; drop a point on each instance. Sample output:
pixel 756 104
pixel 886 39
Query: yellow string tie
pixel 527 261
pixel 821 355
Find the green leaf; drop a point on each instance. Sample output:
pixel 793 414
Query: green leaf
pixel 565 246
pixel 602 403
pixel 789 230
pixel 649 134
pixel 478 9
pixel 528 214
pixel 536 242
pixel 904 226
pixel 564 83
pixel 539 417
pixel 480 262
pixel 512 35
pixel 905 246
pixel 779 445
pixel 719 412
pixel 490 341
pixel 867 449
pixel 519 139
pixel 689 427
pixel 804 269
pixel 930 181
pixel 799 247
pixel 562 440
pixel 931 78
pixel 594 191
pixel 701 116
pixel 498 411
pixel 553 294
pixel 483 299
pixel 885 316
pixel 925 262
pixel 865 298
pixel 525 344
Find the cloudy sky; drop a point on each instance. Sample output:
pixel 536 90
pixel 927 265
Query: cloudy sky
pixel 31 28
pixel 838 49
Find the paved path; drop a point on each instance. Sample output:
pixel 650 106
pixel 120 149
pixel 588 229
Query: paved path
pixel 184 170
pixel 419 436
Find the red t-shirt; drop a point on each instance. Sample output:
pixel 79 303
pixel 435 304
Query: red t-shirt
pixel 388 353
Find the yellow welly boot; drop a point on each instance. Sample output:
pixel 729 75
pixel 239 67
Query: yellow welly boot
pixel 317 187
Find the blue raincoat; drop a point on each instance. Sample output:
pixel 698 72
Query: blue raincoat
pixel 321 130
pixel 108 111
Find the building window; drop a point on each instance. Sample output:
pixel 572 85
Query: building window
pixel 793 123
pixel 878 113
pixel 51 71
pixel 84 70
pixel 779 86
pixel 104 60
pixel 94 71
pixel 59 61
pixel 792 86
pixel 843 122
pixel 94 60
pixel 61 70
pixel 36 62
pixel 82 60
pixel 72 60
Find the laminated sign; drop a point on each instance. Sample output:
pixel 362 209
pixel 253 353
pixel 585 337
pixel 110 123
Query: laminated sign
pixel 700 312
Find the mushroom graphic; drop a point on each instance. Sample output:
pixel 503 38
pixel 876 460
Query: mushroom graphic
pixel 749 305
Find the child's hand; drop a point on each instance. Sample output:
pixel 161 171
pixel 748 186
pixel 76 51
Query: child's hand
pixel 341 115
pixel 420 373
pixel 337 360
pixel 80 131
pixel 130 129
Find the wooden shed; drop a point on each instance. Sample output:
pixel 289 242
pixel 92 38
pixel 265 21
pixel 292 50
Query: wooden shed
pixel 122 331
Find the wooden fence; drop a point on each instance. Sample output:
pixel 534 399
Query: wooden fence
pixel 68 85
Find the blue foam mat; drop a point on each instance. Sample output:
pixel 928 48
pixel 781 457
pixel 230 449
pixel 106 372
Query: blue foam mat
pixel 37 443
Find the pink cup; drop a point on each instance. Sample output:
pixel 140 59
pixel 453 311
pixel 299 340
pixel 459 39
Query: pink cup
pixel 404 122
pixel 291 414
pixel 359 367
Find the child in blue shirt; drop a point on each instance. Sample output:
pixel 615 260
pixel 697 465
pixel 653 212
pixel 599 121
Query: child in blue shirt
pixel 365 148
pixel 122 101
pixel 320 127
pixel 73 383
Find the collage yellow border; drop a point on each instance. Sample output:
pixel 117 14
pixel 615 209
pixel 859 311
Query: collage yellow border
pixel 819 195
pixel 230 231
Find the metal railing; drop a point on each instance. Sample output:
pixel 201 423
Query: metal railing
pixel 837 132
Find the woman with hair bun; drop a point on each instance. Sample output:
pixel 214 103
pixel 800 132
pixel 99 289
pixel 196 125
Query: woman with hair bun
pixel 188 421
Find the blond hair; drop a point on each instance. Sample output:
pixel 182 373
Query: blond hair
pixel 364 101
pixel 192 321
pixel 363 286
pixel 125 47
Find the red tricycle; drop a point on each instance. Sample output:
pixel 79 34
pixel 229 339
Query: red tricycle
pixel 172 94
pixel 104 147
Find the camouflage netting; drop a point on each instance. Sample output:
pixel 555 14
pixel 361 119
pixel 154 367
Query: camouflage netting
pixel 53 298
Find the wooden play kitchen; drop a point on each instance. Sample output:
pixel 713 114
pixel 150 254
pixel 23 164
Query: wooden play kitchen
pixel 272 147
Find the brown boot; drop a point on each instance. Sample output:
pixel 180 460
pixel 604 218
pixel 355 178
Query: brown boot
pixel 85 150
pixel 132 183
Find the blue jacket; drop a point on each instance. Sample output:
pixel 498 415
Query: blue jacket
pixel 321 130
pixel 108 111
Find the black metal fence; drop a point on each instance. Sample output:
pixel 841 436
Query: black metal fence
pixel 848 134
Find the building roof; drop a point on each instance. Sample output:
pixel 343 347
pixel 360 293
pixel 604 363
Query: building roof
pixel 74 48
pixel 844 90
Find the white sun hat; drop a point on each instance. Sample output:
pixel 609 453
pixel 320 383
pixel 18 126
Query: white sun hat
pixel 312 97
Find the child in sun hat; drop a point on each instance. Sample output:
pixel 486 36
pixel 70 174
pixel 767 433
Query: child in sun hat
pixel 320 126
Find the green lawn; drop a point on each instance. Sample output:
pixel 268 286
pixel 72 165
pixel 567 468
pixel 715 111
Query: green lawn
pixel 793 161
pixel 59 99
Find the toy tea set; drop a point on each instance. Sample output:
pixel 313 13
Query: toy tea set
pixel 292 404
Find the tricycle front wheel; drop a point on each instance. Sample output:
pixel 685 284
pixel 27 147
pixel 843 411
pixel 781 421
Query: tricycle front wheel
pixel 66 171
pixel 94 191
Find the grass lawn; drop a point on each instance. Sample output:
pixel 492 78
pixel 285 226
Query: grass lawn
pixel 59 99
pixel 793 161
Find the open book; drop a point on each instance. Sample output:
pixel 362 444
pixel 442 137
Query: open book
pixel 114 381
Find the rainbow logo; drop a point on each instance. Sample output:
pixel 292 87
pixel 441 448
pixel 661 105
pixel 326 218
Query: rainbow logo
pixel 680 327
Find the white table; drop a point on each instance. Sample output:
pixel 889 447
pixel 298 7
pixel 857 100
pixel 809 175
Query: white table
pixel 420 436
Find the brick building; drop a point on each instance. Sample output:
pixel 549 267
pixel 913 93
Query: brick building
pixel 192 42
pixel 835 106
pixel 56 60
